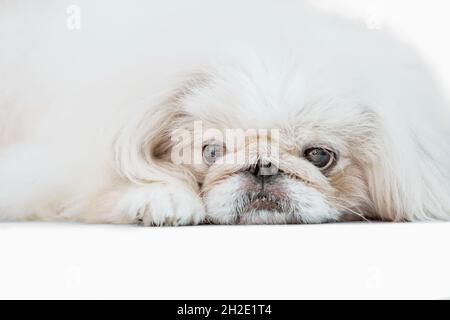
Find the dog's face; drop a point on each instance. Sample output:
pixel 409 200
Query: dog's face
pixel 266 151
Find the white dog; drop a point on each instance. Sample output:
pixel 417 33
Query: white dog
pixel 99 101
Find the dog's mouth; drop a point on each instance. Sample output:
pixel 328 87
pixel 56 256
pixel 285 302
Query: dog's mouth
pixel 259 207
pixel 277 201
pixel 264 207
pixel 254 201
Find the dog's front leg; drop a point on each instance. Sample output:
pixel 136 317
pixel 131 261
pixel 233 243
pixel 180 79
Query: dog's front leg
pixel 152 204
pixel 162 204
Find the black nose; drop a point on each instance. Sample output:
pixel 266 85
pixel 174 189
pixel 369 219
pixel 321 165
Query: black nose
pixel 267 169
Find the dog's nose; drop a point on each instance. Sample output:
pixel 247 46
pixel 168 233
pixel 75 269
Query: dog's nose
pixel 267 169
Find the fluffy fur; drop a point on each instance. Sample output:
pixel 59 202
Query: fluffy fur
pixel 88 117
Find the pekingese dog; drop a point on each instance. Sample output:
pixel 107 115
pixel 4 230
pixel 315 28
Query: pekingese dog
pixel 229 112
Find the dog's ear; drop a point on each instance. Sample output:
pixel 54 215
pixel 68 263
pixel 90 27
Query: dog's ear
pixel 143 145
pixel 406 176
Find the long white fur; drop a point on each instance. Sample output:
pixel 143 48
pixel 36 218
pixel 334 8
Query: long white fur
pixel 83 112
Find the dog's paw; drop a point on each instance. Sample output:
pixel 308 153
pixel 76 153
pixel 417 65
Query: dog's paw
pixel 160 204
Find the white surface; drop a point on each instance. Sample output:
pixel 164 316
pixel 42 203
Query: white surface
pixel 318 261
pixel 357 260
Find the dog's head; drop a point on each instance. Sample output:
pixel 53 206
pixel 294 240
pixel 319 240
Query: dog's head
pixel 270 154
pixel 266 146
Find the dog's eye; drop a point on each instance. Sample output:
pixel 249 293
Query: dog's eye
pixel 212 152
pixel 320 157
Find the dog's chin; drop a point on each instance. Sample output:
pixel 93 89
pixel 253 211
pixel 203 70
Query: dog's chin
pixel 262 214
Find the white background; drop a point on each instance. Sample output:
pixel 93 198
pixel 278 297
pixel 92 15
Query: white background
pixel 376 260
pixel 422 23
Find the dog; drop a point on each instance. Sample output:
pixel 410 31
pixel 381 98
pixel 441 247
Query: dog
pixel 176 114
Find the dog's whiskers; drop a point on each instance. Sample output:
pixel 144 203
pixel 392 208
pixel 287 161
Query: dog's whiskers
pixel 348 209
